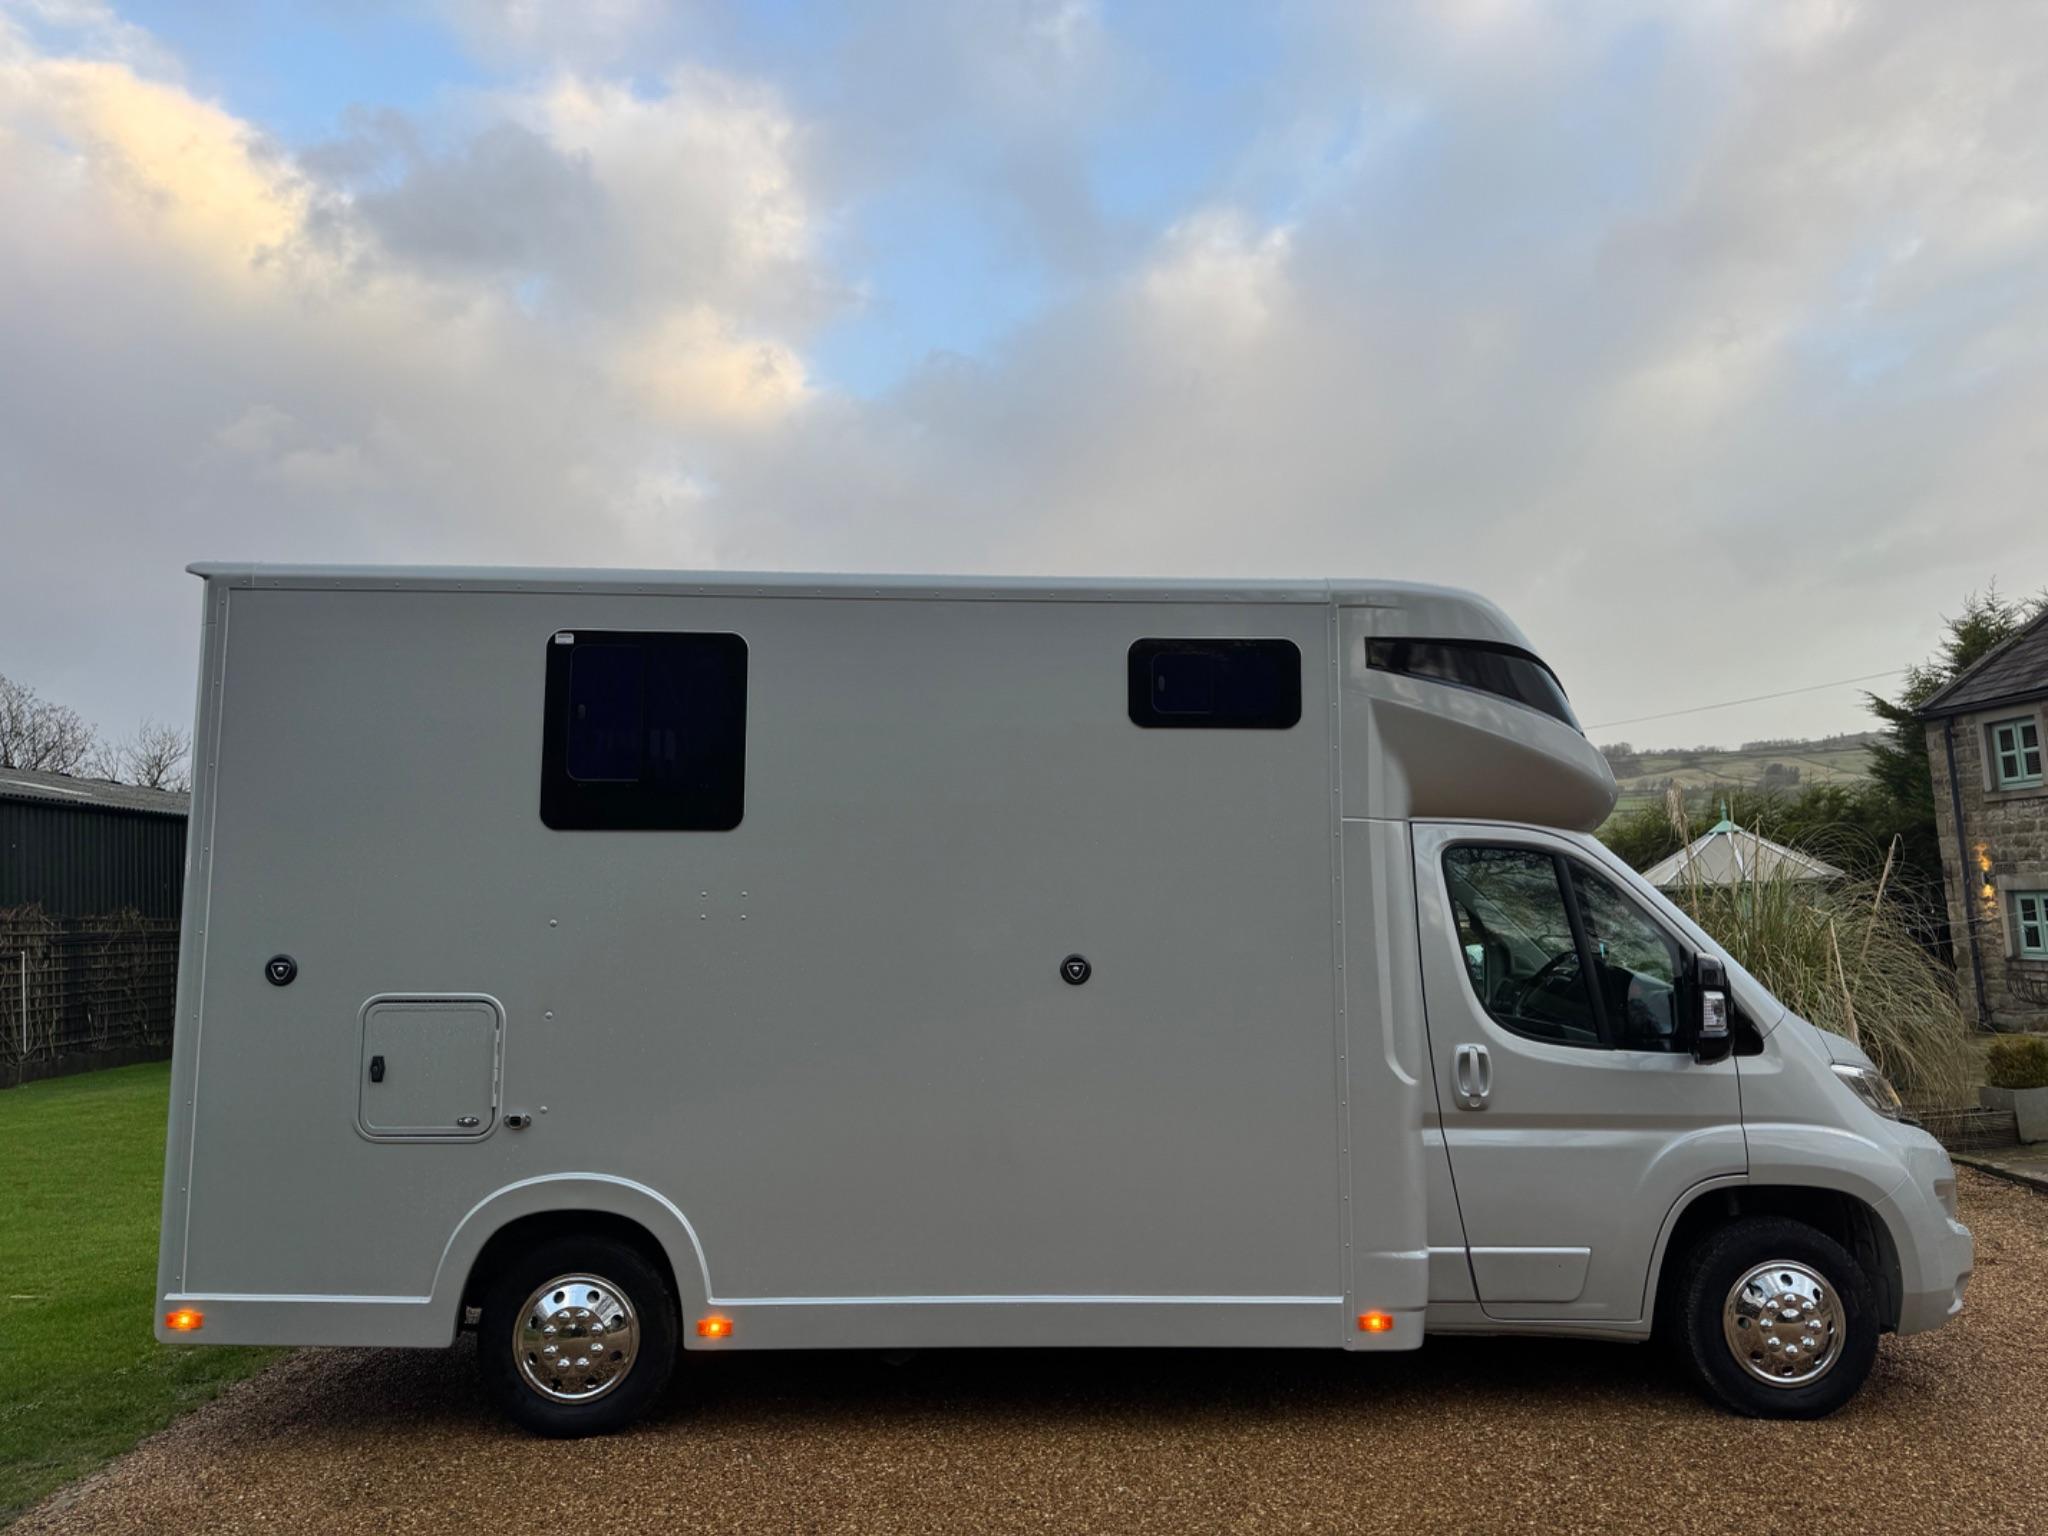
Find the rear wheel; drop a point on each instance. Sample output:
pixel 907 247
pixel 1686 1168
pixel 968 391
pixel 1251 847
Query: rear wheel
pixel 578 1336
pixel 1778 1319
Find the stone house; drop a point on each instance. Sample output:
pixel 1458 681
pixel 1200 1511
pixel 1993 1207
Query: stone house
pixel 1987 732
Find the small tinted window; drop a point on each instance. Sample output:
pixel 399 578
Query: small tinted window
pixel 1637 966
pixel 1517 939
pixel 1500 670
pixel 644 732
pixel 1215 684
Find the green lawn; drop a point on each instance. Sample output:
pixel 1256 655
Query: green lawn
pixel 82 1377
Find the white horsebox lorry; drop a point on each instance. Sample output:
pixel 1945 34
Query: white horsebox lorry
pixel 618 963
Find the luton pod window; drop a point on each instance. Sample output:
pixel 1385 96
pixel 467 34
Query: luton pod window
pixel 1482 666
pixel 1208 684
pixel 644 732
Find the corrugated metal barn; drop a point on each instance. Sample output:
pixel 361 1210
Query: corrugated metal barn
pixel 85 848
pixel 91 878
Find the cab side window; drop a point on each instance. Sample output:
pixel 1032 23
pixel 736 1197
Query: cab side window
pixel 1637 966
pixel 1556 951
pixel 1520 952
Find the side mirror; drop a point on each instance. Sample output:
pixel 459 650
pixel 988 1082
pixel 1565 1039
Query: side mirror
pixel 1711 1039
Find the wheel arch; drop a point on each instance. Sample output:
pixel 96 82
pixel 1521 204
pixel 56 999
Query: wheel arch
pixel 1843 1214
pixel 555 1203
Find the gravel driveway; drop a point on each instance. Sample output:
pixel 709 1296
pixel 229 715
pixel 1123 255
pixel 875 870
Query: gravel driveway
pixel 1951 1434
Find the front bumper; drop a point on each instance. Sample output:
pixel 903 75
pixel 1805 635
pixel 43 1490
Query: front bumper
pixel 1939 1294
pixel 1936 1252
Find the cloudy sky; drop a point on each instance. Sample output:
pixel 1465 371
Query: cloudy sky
pixel 1710 339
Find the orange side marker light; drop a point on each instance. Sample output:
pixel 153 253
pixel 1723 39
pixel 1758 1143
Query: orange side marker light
pixel 185 1320
pixel 1375 1322
pixel 714 1327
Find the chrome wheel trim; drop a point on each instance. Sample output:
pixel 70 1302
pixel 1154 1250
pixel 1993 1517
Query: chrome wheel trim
pixel 576 1338
pixel 1784 1324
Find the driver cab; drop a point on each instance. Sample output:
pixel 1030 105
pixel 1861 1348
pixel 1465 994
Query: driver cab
pixel 1571 1092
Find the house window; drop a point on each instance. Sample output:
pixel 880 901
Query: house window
pixel 644 732
pixel 2015 753
pixel 2030 917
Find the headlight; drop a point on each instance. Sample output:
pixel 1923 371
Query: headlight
pixel 1873 1088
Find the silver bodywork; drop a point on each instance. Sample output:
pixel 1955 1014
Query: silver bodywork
pixel 826 1059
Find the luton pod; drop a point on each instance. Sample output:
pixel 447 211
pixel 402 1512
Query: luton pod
pixel 624 964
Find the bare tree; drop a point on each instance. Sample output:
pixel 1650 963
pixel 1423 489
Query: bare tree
pixel 155 757
pixel 158 757
pixel 34 733
pixel 105 761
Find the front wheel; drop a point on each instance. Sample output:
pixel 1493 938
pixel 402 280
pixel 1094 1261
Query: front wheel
pixel 1778 1319
pixel 577 1337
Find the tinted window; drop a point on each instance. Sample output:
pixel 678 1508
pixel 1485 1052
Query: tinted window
pixel 644 732
pixel 607 712
pixel 1636 965
pixel 1517 938
pixel 1500 670
pixel 1215 684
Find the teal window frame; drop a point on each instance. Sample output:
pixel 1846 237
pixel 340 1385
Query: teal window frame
pixel 2030 924
pixel 2008 742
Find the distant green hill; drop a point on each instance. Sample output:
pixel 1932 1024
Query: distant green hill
pixel 1643 773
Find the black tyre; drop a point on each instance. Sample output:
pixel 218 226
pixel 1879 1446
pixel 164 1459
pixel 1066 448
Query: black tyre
pixel 578 1336
pixel 1776 1320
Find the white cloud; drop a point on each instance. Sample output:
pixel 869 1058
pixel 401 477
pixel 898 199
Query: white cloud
pixel 1217 279
pixel 171 171
pixel 1714 345
pixel 690 368
pixel 702 191
pixel 218 349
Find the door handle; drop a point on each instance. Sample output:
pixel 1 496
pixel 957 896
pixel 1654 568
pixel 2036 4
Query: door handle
pixel 376 1069
pixel 1472 1076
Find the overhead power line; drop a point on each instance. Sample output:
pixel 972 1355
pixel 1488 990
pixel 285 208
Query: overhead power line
pixel 1757 698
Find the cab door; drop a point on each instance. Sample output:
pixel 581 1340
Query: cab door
pixel 1574 1116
